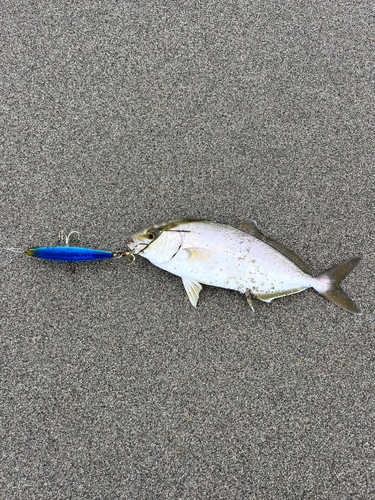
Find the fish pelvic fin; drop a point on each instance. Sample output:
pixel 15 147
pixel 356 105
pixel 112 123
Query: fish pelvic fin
pixel 249 301
pixel 193 289
pixel 330 281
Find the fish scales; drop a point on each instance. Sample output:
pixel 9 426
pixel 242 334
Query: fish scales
pixel 233 260
pixel 204 252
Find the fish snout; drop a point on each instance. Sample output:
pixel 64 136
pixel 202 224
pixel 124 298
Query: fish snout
pixel 135 245
pixel 131 243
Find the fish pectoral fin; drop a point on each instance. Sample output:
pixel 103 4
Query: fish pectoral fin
pixel 194 253
pixel 250 226
pixel 269 297
pixel 193 289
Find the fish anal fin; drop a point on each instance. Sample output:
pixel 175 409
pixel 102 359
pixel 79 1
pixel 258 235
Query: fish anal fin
pixel 250 226
pixel 269 297
pixel 193 289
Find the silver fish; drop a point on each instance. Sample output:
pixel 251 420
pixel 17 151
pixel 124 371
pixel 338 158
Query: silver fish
pixel 204 252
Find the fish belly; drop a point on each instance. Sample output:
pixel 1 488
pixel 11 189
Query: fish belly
pixel 237 261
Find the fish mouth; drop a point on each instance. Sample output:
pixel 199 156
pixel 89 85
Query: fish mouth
pixel 136 247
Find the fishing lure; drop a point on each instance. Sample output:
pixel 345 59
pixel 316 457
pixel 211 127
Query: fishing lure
pixel 69 253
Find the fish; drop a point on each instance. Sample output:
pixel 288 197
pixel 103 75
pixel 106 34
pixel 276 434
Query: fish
pixel 202 252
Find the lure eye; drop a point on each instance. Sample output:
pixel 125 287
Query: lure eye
pixel 152 234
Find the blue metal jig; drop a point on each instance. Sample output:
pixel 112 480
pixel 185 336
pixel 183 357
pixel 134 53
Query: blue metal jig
pixel 72 254
pixel 68 254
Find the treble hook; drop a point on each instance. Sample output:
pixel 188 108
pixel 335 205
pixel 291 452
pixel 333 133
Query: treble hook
pixel 118 255
pixel 65 237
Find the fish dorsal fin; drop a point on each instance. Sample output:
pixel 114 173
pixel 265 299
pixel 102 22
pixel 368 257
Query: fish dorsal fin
pixel 250 226
pixel 192 288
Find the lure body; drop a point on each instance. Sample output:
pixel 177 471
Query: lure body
pixel 68 254
pixel 203 252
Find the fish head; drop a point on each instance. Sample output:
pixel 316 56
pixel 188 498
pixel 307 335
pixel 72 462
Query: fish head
pixel 157 243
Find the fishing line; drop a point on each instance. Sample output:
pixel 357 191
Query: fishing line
pixel 12 249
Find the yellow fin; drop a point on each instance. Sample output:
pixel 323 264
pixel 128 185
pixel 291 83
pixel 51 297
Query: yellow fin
pixel 250 226
pixel 193 289
pixel 250 302
pixel 268 297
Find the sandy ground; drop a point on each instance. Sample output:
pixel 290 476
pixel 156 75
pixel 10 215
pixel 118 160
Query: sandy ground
pixel 119 114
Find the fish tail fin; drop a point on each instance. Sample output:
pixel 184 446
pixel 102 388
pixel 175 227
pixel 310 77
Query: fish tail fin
pixel 329 281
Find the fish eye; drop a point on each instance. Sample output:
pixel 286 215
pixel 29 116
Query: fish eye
pixel 152 234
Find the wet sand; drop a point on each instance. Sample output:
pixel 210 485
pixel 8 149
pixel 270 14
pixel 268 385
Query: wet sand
pixel 115 115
